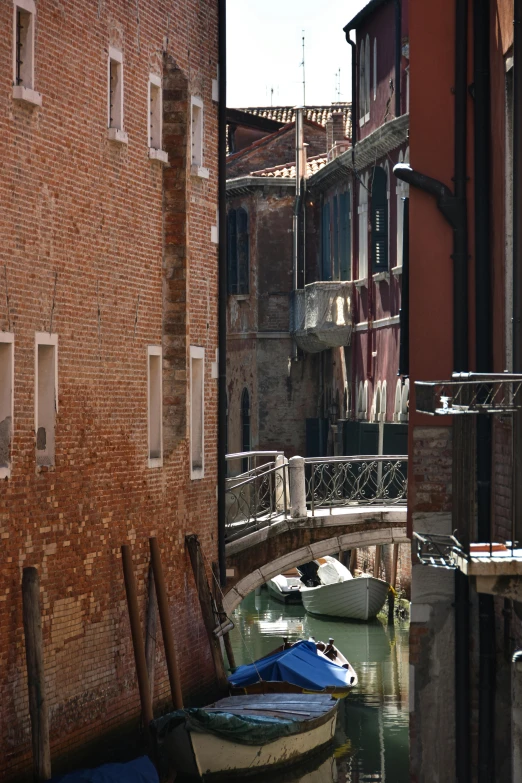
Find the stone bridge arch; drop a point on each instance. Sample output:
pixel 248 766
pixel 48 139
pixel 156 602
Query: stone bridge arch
pixel 254 559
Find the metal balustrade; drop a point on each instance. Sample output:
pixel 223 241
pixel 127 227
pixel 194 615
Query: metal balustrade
pixel 253 499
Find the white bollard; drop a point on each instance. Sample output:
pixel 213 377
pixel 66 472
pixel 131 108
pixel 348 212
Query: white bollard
pixel 296 474
pixel 516 717
pixel 281 484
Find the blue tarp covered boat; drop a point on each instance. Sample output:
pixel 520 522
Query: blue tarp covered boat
pixel 140 770
pixel 301 667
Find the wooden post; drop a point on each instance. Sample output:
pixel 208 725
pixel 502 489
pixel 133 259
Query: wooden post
pixel 137 640
pixel 353 561
pixel 377 561
pixel 150 634
pixel 222 617
pixel 391 606
pixel 395 557
pixel 38 708
pixel 205 601
pixel 166 627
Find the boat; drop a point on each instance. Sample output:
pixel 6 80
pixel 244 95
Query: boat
pixel 330 589
pixel 141 770
pixel 286 587
pixel 239 736
pixel 303 667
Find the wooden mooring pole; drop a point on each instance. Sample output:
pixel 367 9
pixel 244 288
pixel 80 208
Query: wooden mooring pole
pixel 38 708
pixel 166 627
pixel 150 632
pixel 222 617
pixel 205 601
pixel 137 640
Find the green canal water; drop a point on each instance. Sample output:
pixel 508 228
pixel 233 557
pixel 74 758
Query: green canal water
pixel 372 734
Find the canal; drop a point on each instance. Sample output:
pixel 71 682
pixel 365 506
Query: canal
pixel 372 736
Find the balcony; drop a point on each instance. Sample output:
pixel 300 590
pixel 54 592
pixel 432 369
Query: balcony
pixel 322 316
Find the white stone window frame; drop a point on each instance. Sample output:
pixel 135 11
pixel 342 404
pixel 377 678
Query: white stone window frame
pixel 155 119
pixel 362 211
pixel 368 55
pixel 115 126
pixel 197 353
pixel 375 69
pixel 25 91
pixel 402 393
pixel 46 339
pixel 362 401
pixel 154 350
pixel 402 190
pixel 197 129
pixel 7 396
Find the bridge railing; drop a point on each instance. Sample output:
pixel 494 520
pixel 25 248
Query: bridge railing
pixel 333 482
pixel 254 498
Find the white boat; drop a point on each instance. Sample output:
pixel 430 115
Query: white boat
pixel 217 753
pixel 286 587
pixel 332 590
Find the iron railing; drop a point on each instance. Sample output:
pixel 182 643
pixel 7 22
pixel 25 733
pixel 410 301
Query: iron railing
pixel 359 481
pixel 254 499
pixel 254 460
pixel 470 393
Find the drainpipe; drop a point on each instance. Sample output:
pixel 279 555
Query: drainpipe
pixel 454 208
pixel 404 312
pixel 223 291
pixel 484 363
pixel 398 54
pixel 517 257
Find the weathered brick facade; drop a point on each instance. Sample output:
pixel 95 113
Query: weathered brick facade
pixel 111 252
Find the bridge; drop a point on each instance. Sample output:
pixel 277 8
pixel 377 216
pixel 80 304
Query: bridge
pixel 282 513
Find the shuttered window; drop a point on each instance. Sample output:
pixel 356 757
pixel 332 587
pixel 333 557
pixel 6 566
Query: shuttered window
pixel 336 270
pixel 326 243
pixel 379 221
pixel 238 252
pixel 345 238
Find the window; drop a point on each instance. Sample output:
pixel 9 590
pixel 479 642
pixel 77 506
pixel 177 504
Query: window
pixel 238 252
pixel 362 84
pixel 402 393
pixel 115 97
pixel 154 405
pixel 197 390
pixel 326 243
pixel 336 270
pixel 345 240
pixel 245 427
pixel 155 119
pixel 367 55
pixel 23 52
pixel 374 69
pixel 379 220
pixel 6 401
pixel 362 400
pixel 196 133
pixel 402 190
pixel 363 228
pixel 46 396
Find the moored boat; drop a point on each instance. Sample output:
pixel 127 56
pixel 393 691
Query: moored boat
pixel 286 587
pixel 303 667
pixel 241 736
pixel 330 589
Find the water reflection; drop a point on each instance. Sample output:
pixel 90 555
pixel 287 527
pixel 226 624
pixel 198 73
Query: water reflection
pixel 372 735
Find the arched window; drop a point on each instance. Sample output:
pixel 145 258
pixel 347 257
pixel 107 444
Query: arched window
pixel 403 191
pixel 362 400
pixel 384 401
pixel 374 69
pixel 368 55
pixel 238 252
pixel 376 407
pixel 379 220
pixel 402 394
pixel 245 426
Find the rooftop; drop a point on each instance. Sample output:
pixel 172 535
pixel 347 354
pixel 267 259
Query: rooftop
pixel 318 114
pixel 287 170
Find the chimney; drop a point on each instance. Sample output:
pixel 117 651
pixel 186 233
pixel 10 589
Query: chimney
pixel 329 134
pixel 338 126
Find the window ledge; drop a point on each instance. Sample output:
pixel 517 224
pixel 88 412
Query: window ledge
pixel 117 135
pixel 5 473
pixel 199 171
pixel 26 95
pixel 380 277
pixel 397 271
pixel 159 155
pixel 362 283
pixel 197 473
pixel 155 462
pixel 241 297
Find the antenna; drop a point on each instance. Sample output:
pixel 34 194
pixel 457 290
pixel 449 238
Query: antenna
pixel 304 80
pixel 271 96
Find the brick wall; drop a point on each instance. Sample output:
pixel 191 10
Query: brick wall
pixel 366 564
pixel 117 252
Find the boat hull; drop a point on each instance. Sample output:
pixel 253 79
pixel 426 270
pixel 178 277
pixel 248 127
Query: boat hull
pixel 218 758
pixel 283 594
pixel 355 599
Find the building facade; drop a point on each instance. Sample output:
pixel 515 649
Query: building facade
pixel 108 383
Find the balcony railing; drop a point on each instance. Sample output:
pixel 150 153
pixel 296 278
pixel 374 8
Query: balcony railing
pixel 254 498
pixel 322 315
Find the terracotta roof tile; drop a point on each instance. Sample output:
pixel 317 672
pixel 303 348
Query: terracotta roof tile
pixel 287 170
pixel 318 114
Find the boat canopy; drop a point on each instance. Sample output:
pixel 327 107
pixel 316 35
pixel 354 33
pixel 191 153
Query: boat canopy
pixel 301 665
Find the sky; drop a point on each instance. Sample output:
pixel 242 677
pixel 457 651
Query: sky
pixel 264 51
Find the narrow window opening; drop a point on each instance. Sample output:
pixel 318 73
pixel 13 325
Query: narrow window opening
pixel 46 401
pixel 245 426
pixel 379 225
pixel 238 252
pixel 374 69
pixel 197 132
pixel 197 370
pixel 155 112
pixel 155 406
pixel 115 90
pixel 6 405
pixel 24 47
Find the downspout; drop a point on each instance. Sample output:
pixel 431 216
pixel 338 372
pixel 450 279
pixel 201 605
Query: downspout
pixel 398 54
pixel 517 258
pixel 222 270
pixel 404 312
pixel 355 225
pixel 484 363
pixel 454 208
